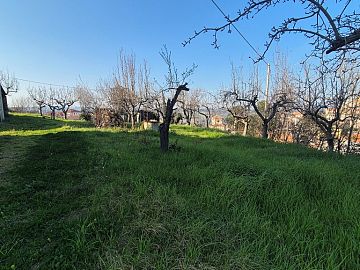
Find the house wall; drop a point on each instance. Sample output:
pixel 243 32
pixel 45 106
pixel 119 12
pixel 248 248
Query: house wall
pixel 2 111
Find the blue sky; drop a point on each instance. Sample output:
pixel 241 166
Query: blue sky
pixel 58 41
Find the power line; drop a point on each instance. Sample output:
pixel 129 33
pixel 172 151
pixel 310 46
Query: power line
pixel 253 48
pixel 237 30
pixel 49 84
pixel 44 83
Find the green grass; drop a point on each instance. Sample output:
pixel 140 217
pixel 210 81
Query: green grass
pixel 76 197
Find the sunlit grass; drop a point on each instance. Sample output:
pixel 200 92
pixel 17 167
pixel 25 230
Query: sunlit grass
pixel 84 198
pixel 14 132
pixel 197 132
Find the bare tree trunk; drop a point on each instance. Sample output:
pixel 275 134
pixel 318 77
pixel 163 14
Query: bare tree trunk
pixel 246 124
pixel 280 134
pixel 132 117
pixel 235 124
pixel 187 118
pixel 287 131
pixel 339 145
pixel 207 117
pixel 351 130
pixel 164 127
pixel 164 137
pixel 321 143
pixel 264 131
pixel 330 142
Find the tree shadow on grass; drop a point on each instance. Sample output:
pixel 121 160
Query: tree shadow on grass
pixel 32 122
pixel 49 185
pixel 124 180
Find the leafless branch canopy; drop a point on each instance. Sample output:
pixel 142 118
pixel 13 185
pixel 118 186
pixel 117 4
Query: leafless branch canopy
pixel 327 32
pixel 8 82
pixel 172 78
pixel 329 97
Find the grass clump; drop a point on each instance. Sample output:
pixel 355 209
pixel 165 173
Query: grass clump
pixel 81 198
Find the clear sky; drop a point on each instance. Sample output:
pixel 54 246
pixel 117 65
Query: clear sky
pixel 58 41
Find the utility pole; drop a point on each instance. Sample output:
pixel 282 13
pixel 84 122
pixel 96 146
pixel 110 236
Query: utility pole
pixel 267 86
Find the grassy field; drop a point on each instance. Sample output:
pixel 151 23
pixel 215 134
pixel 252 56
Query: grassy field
pixel 76 197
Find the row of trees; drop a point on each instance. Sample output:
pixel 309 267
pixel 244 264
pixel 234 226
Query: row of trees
pixel 327 97
pixel 55 99
pixel 323 98
pixel 60 99
pixel 131 91
pixel 321 104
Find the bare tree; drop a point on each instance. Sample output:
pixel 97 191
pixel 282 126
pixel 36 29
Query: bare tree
pixel 89 100
pixel 21 104
pixel 304 131
pixel 238 109
pixel 51 102
pixel 284 83
pixel 130 88
pixel 39 97
pixel 189 104
pixel 164 127
pixel 266 110
pixel 206 106
pixel 280 126
pixel 326 32
pixel 158 103
pixel 352 124
pixel 266 116
pixel 326 97
pixel 65 98
pixel 175 84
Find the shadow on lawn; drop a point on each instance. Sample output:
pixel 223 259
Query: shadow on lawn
pixel 68 179
pixel 31 122
pixel 47 187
